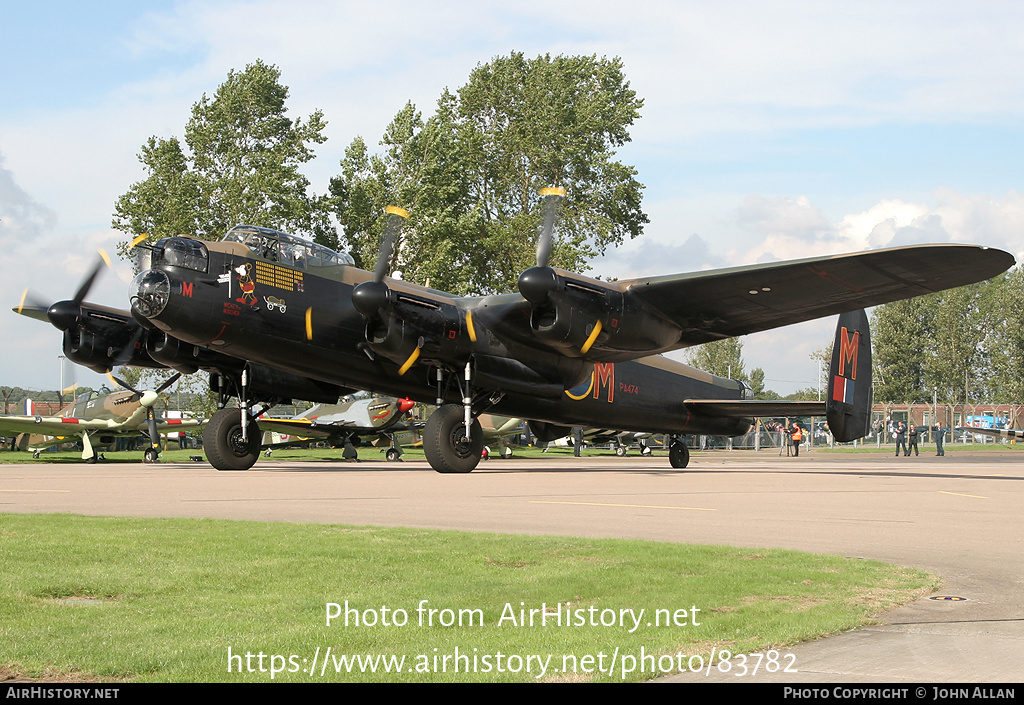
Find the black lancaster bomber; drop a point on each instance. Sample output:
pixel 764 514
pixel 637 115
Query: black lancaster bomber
pixel 272 316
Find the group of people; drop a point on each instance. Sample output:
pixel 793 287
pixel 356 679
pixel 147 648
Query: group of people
pixel 907 440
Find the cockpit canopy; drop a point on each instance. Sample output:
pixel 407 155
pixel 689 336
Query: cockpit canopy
pixel 289 250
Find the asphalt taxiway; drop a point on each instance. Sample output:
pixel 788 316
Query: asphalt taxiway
pixel 958 517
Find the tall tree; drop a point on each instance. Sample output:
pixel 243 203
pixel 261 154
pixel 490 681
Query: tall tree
pixel 242 165
pixel 899 335
pixel 472 171
pixel 723 358
pixel 1005 315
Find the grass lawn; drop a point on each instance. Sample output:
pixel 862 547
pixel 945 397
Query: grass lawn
pixel 118 599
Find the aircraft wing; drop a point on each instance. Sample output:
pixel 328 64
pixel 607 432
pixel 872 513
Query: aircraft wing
pixel 72 425
pixel 997 432
pixel 309 429
pixel 723 303
pixel 319 429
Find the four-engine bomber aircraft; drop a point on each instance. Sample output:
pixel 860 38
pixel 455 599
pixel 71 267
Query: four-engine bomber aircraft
pixel 275 317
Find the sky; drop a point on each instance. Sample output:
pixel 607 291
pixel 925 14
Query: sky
pixel 769 131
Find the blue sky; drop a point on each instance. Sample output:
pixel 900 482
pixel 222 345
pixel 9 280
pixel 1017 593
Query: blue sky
pixel 770 130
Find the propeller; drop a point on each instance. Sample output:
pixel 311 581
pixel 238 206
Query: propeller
pixel 147 399
pixel 370 297
pixel 65 314
pixel 536 283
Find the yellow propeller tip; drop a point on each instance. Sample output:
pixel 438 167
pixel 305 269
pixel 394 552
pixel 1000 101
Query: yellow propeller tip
pixel 552 191
pixel 106 259
pixel 395 210
pixel 137 240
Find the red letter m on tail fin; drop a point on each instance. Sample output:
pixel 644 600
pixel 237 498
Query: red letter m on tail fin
pixel 848 352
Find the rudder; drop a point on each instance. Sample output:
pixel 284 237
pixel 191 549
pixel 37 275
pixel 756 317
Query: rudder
pixel 848 407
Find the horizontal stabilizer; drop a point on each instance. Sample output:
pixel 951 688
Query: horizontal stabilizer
pixel 731 408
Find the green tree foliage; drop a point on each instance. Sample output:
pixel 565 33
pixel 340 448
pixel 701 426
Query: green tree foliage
pixel 955 345
pixel 723 358
pixel 241 166
pixel 1005 319
pixel 757 386
pixel 470 174
pixel 899 335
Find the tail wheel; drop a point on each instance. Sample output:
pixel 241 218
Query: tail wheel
pixel 445 443
pixel 223 442
pixel 678 455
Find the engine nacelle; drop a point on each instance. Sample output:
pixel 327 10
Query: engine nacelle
pixel 172 352
pixel 413 324
pixel 268 383
pixel 583 317
pixel 101 354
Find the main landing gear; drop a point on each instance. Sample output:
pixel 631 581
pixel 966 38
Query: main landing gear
pixel 228 446
pixel 452 439
pixel 445 443
pixel 232 438
pixel 678 454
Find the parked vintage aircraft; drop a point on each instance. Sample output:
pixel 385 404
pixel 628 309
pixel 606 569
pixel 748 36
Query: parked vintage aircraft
pixel 1009 433
pixel 566 350
pixel 348 422
pixel 97 420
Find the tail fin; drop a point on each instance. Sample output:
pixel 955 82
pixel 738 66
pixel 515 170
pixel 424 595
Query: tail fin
pixel 848 407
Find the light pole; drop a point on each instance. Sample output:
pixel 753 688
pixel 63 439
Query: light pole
pixel 60 391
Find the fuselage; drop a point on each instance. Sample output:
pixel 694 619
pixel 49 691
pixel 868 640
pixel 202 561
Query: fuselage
pixel 284 303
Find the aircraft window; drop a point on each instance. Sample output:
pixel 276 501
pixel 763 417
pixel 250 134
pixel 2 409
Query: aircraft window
pixel 288 249
pixel 313 257
pixel 181 252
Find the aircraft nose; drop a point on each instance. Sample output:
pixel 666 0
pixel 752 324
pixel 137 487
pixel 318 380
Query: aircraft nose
pixel 149 292
pixel 405 404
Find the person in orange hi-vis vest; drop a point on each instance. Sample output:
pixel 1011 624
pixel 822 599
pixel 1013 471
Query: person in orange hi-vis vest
pixel 796 436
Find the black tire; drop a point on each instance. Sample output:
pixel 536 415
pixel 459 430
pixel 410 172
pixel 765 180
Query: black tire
pixel 391 454
pixel 222 441
pixel 620 451
pixel 150 455
pixel 444 441
pixel 678 455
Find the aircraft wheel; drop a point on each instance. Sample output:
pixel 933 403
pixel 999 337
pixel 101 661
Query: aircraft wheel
pixel 150 456
pixel 620 451
pixel 222 440
pixel 391 454
pixel 679 455
pixel 445 444
pixel 507 453
pixel 91 460
pixel 35 455
pixel 645 450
